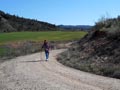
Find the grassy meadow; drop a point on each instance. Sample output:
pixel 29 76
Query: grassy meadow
pixel 40 36
pixel 21 43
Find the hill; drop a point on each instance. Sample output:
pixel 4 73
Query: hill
pixel 98 52
pixel 12 23
pixel 75 27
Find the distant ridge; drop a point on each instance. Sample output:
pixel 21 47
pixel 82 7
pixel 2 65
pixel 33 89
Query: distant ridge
pixel 13 23
pixel 75 27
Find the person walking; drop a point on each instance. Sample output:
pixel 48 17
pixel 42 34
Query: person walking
pixel 46 47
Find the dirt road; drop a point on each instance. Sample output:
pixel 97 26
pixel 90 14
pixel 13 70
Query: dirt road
pixel 32 72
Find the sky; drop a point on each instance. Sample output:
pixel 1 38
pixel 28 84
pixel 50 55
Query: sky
pixel 66 12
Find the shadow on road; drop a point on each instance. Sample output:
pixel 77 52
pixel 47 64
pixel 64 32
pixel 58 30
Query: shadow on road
pixel 33 61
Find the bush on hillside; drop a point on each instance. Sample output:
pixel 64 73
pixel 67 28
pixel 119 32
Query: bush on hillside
pixel 98 52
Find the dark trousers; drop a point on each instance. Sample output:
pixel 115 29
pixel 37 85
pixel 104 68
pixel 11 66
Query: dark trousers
pixel 47 55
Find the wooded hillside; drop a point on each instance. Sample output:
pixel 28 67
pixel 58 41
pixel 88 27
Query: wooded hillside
pixel 13 23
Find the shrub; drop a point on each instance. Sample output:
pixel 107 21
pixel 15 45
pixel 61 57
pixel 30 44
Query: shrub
pixel 113 33
pixel 116 74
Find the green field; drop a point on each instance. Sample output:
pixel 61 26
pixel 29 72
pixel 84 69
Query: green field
pixel 40 36
pixel 8 51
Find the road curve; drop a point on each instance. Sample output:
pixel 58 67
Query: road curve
pixel 32 72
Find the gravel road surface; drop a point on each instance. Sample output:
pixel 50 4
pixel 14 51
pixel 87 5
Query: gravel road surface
pixel 32 72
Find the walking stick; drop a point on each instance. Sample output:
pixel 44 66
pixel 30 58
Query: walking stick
pixel 41 55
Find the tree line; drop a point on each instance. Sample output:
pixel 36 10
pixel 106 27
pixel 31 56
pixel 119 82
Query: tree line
pixel 13 23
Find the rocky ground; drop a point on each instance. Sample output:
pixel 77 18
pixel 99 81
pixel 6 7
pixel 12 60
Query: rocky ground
pixel 97 52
